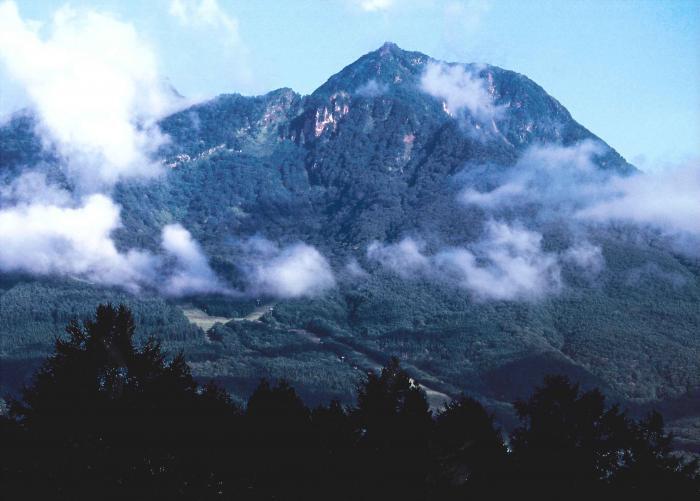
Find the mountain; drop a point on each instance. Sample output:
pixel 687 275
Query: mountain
pixel 366 161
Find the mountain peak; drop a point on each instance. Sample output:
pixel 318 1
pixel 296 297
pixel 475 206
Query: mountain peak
pixel 387 65
pixel 391 51
pixel 389 48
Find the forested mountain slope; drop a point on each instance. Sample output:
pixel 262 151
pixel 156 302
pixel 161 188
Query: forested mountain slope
pixel 393 178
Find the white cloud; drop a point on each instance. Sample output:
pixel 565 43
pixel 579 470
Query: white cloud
pixel 460 90
pixel 376 5
pixel 205 13
pixel 586 256
pixel 494 198
pixel 405 258
pixel 508 263
pixel 354 270
pixel 192 273
pixel 577 157
pixel 298 270
pixel 95 86
pixel 33 185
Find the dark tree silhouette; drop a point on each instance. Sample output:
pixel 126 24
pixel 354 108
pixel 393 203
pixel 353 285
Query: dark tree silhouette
pixel 279 443
pixel 650 468
pixel 571 442
pixel 469 450
pixel 338 475
pixel 105 419
pixel 569 438
pixel 395 423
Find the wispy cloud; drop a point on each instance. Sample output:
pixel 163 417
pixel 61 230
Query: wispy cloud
pixel 586 256
pixel 371 88
pixel 354 271
pixel 406 258
pixel 555 177
pixel 207 14
pixel 509 263
pixel 32 186
pixel 667 199
pixel 222 32
pixel 465 95
pixel 376 5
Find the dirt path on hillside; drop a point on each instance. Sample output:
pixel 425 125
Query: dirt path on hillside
pixel 356 357
pixel 257 313
pixel 363 361
pixel 205 321
pixel 202 319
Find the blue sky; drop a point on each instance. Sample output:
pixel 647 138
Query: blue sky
pixel 627 70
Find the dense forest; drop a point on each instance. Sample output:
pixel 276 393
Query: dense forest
pixel 110 417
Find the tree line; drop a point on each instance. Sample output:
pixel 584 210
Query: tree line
pixel 105 419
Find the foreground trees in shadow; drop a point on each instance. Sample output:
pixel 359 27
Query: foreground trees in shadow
pixel 104 419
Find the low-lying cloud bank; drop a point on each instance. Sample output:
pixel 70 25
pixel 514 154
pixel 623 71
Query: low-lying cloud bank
pixel 554 177
pixel 565 184
pixel 46 231
pixel 508 263
pixel 47 239
pixel 75 240
pixel 561 185
pixel 668 200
